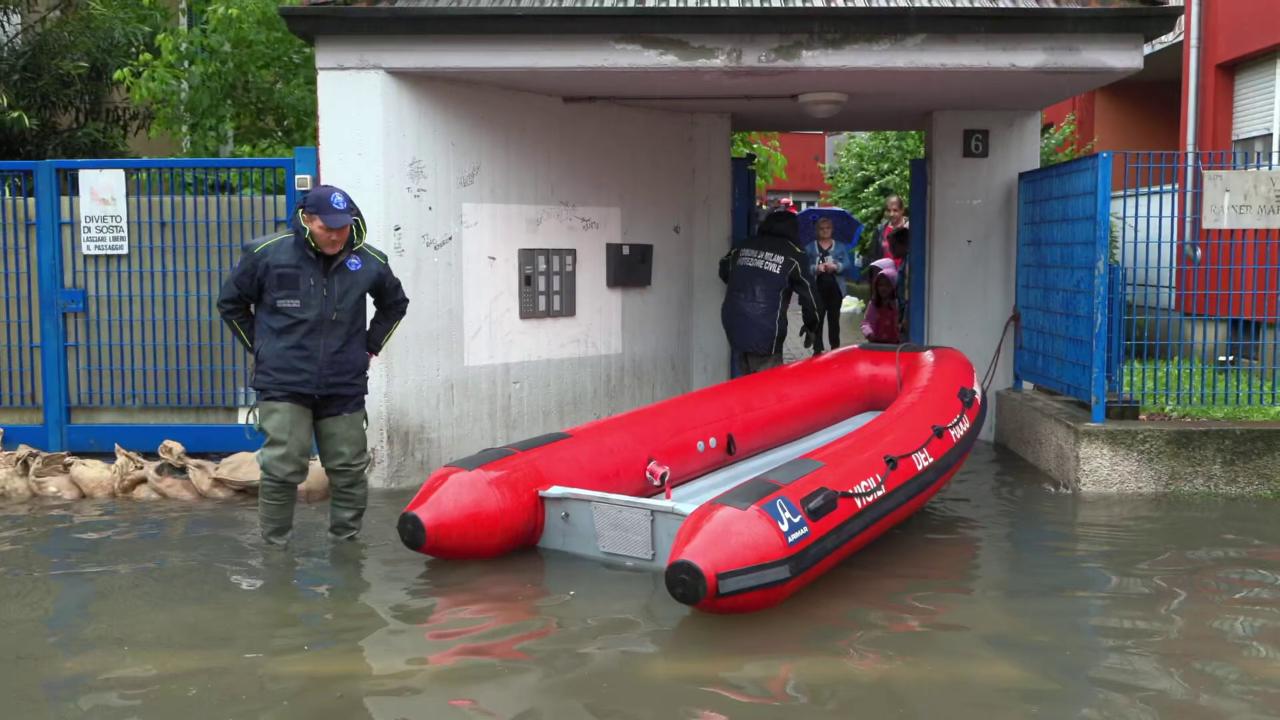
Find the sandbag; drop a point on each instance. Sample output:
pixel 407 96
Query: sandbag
pixel 8 459
pixel 48 476
pixel 128 472
pixel 55 486
pixel 316 487
pixel 93 477
pixel 200 472
pixel 145 492
pixel 239 471
pixel 172 452
pixel 23 458
pixel 13 485
pixel 171 482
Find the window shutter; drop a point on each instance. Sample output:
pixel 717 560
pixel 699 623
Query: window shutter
pixel 1253 107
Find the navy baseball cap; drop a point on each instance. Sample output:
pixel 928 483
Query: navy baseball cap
pixel 332 205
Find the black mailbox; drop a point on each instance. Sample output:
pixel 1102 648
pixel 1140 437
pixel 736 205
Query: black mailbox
pixel 628 265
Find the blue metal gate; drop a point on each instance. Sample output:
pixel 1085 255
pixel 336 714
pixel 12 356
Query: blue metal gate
pixel 917 253
pixel 129 349
pixel 1063 279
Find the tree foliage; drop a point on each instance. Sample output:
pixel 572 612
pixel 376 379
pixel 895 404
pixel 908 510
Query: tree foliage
pixel 236 83
pixel 1060 143
pixel 58 59
pixel 770 164
pixel 868 168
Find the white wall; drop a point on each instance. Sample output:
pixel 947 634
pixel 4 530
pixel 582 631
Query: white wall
pixel 972 244
pixel 495 332
pixel 438 168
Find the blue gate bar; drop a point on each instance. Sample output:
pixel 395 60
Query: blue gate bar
pixel 53 351
pixel 917 254
pixel 1101 287
pixel 175 163
pixel 196 438
pixel 306 161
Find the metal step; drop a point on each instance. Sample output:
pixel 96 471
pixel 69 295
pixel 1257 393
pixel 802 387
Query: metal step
pixel 639 531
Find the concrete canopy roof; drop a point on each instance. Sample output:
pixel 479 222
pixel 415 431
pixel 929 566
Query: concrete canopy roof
pixel 896 63
pixel 1151 18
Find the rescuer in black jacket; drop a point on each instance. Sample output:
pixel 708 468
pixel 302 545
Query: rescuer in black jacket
pixel 296 301
pixel 762 275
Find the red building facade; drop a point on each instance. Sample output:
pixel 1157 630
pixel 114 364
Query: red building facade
pixel 1236 113
pixel 805 184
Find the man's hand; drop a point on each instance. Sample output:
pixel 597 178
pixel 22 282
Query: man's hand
pixel 809 335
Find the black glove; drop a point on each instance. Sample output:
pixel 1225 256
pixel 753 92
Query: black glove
pixel 808 335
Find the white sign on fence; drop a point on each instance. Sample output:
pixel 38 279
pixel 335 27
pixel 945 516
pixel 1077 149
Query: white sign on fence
pixel 104 213
pixel 1240 200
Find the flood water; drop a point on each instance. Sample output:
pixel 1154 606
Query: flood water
pixel 1002 599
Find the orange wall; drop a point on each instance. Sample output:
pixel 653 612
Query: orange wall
pixel 1138 116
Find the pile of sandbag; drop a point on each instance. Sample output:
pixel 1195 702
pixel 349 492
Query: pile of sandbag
pixel 27 473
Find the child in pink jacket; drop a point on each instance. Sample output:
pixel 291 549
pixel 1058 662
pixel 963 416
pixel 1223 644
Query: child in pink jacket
pixel 880 324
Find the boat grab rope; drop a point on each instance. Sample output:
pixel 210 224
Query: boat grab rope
pixel 966 395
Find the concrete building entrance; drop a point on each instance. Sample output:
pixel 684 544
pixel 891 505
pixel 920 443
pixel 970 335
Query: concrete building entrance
pixel 470 131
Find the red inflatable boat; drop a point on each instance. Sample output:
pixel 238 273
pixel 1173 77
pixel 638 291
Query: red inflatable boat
pixel 769 531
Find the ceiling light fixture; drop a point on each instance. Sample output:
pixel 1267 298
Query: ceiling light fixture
pixel 822 104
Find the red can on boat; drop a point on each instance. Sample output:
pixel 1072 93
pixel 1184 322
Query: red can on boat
pixel 745 491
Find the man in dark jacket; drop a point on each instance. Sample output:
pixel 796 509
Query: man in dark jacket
pixel 762 275
pixel 296 300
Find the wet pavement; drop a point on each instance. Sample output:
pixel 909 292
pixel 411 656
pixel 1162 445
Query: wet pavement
pixel 794 349
pixel 1001 599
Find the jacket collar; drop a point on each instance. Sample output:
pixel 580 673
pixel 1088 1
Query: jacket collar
pixel 302 235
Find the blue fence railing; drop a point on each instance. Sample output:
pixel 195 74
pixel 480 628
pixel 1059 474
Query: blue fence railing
pixel 1063 279
pixel 128 348
pixel 20 387
pixel 1199 294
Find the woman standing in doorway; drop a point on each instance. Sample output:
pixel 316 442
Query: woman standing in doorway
pixel 895 213
pixel 828 258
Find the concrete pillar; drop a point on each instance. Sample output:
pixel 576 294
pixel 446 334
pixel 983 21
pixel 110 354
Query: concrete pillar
pixel 972 243
pixel 353 107
pixel 710 235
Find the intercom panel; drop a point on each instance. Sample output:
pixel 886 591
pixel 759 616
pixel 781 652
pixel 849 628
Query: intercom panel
pixel 547 282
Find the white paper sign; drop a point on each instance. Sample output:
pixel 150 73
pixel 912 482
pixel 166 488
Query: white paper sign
pixel 1241 200
pixel 104 213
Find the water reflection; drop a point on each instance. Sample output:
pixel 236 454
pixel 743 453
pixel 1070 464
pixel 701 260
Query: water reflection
pixel 1000 599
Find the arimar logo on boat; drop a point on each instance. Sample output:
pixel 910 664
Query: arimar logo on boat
pixel 790 522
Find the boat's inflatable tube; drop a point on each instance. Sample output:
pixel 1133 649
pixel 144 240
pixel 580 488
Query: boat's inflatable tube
pixel 770 535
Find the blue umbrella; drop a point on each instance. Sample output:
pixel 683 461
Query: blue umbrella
pixel 846 227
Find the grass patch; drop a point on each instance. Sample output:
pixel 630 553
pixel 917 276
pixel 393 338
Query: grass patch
pixel 1190 390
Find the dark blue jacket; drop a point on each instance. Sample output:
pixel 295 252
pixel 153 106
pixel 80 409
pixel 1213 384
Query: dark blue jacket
pixel 839 253
pixel 762 275
pixel 307 326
